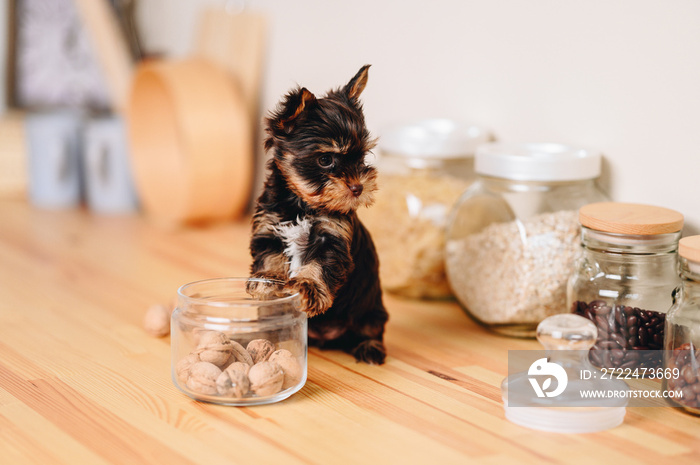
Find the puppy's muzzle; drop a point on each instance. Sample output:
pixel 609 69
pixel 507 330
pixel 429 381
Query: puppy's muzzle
pixel 356 189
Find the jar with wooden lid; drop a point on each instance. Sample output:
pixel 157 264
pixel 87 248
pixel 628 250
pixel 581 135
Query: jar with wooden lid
pixel 423 168
pixel 682 332
pixel 512 237
pixel 625 280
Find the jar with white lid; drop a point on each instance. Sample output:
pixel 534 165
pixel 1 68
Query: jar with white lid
pixel 423 167
pixel 625 280
pixel 513 237
pixel 682 331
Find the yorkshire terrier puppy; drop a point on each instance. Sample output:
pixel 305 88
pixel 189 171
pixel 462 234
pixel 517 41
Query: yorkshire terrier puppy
pixel 305 228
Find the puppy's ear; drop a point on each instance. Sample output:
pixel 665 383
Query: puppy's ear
pixel 296 102
pixel 357 84
pixel 289 111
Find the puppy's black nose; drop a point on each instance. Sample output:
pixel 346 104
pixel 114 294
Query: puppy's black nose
pixel 356 189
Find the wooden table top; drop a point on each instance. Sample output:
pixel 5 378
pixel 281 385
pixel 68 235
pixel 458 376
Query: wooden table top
pixel 82 383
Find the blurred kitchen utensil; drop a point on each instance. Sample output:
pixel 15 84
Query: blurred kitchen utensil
pixel 190 141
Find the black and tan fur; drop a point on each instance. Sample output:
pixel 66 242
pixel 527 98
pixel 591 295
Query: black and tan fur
pixel 305 229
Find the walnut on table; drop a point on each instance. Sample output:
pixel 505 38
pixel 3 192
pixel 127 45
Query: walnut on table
pixel 156 320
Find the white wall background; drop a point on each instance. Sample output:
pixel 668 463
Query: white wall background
pixel 622 76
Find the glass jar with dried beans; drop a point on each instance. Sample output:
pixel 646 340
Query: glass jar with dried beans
pixel 625 280
pixel 682 338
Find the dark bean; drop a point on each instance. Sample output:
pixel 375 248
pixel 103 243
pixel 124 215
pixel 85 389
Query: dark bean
pixel 689 374
pixel 617 355
pixel 621 342
pixel 631 341
pixel 620 317
pixel 602 310
pixel 596 305
pixel 631 356
pixel 642 334
pixel 631 321
pixel 629 364
pixel 601 322
pixel 608 345
pixel 596 357
pixel 688 394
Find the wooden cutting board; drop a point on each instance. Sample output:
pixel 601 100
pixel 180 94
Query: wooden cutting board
pixel 235 41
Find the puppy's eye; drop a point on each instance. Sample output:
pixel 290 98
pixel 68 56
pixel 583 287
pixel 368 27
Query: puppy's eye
pixel 325 161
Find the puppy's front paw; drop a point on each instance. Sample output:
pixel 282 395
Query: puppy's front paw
pixel 315 299
pixel 370 351
pixel 263 287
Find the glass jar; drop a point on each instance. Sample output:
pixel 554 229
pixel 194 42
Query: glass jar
pixel 625 280
pixel 512 238
pixel 423 169
pixel 682 338
pixel 233 349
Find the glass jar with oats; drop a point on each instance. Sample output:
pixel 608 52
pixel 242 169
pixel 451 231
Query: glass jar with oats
pixel 513 237
pixel 423 169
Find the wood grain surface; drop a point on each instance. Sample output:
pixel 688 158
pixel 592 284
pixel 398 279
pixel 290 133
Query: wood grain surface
pixel 82 383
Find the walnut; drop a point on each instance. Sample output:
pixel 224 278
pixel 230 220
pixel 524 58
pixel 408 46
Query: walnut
pixel 183 367
pixel 214 347
pixel 156 321
pixel 260 350
pixel 290 366
pixel 233 381
pixel 239 366
pixel 203 376
pixel 239 354
pixel 266 378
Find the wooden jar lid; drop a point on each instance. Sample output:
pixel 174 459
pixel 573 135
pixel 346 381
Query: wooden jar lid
pixel 689 247
pixel 191 142
pixel 630 218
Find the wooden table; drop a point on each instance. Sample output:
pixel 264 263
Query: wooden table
pixel 82 383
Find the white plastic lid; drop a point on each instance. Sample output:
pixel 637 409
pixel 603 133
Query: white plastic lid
pixel 563 421
pixel 433 138
pixel 567 412
pixel 537 162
